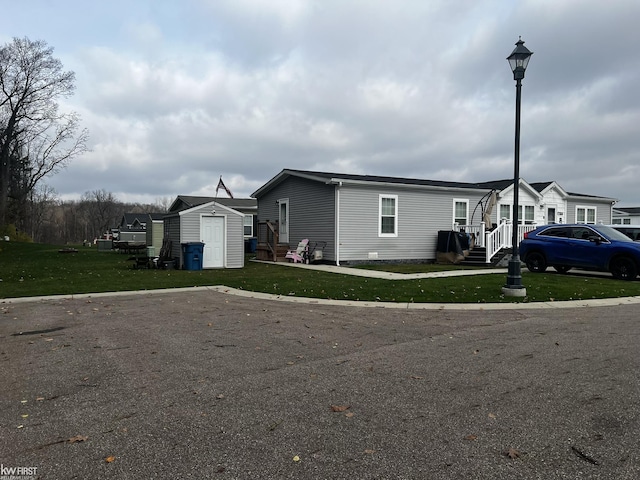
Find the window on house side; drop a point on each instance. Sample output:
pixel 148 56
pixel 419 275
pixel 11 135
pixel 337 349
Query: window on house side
pixel 388 214
pixel 529 215
pixel 460 211
pixel 586 215
pixel 505 212
pixel 248 225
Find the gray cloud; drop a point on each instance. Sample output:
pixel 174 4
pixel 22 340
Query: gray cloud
pixel 175 96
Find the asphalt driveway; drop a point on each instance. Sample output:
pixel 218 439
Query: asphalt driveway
pixel 203 384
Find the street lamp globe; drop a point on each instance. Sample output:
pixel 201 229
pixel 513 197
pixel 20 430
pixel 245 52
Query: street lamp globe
pixel 519 59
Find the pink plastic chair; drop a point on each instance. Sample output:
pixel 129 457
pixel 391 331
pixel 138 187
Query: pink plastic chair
pixel 300 254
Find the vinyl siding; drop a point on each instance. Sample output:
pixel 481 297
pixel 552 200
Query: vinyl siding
pixel 172 232
pixel 311 211
pixel 603 209
pixel 421 214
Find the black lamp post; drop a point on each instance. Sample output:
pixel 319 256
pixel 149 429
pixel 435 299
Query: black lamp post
pixel 518 60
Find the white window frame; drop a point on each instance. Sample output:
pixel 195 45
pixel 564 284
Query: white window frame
pixel 521 214
pixel 508 207
pixel 382 197
pixel 522 208
pixel 586 209
pixel 248 222
pixel 466 217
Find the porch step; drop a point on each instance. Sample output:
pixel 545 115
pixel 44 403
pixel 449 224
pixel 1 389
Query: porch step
pixel 264 253
pixel 477 257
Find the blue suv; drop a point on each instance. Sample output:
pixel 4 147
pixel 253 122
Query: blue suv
pixel 588 247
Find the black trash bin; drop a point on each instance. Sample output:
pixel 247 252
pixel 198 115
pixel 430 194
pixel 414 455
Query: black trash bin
pixel 192 255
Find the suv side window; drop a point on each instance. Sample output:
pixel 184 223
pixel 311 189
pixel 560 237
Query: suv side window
pixel 554 232
pixel 582 233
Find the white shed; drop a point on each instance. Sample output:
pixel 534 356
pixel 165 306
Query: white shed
pixel 220 228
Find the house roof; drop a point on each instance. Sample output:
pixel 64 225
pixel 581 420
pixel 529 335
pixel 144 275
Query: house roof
pixel 628 210
pixel 184 202
pixel 134 222
pixel 330 178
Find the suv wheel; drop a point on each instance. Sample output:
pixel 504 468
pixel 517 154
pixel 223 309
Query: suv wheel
pixel 624 268
pixel 536 262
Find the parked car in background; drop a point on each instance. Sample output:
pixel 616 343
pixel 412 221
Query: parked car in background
pixel 588 247
pixel 631 231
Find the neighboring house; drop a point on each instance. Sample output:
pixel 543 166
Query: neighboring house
pixel 154 233
pixel 219 227
pixel 133 227
pixel 626 216
pixel 247 206
pixel 366 217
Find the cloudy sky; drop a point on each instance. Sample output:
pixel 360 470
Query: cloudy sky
pixel 177 93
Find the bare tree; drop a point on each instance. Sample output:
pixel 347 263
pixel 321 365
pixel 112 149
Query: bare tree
pixel 33 132
pixel 101 210
pixel 41 206
pixel 162 204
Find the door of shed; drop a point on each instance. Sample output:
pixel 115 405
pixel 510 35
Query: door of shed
pixel 213 234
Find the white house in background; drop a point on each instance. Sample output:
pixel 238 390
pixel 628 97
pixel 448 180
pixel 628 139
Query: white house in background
pixel 626 216
pixel 366 217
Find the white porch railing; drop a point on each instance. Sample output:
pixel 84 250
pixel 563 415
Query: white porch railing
pixel 496 239
pixel 478 231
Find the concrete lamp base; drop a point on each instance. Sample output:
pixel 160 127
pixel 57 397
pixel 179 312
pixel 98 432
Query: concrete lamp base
pixel 514 292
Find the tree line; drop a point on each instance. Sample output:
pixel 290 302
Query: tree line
pixel 54 221
pixel 37 139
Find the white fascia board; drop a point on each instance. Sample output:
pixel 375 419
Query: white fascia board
pixel 209 206
pixel 553 185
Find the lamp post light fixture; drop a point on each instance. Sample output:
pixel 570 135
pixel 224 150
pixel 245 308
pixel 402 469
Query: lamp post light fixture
pixel 518 60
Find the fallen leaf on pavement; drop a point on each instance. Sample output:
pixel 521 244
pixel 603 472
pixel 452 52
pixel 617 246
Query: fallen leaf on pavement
pixel 471 438
pixel 78 438
pixel 110 459
pixel 512 453
pixel 340 408
pixel 369 451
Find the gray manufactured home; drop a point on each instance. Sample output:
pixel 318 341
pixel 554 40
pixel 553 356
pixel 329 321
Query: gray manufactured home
pixel 367 218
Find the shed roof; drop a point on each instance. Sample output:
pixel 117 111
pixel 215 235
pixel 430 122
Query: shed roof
pixel 183 202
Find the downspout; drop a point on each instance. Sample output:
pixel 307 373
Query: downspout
pixel 337 216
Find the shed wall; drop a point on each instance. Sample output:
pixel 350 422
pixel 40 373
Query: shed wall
pixel 234 233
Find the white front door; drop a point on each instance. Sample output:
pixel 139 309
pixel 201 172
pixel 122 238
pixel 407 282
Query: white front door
pixel 283 220
pixel 212 233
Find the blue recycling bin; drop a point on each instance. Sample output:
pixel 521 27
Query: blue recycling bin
pixel 192 255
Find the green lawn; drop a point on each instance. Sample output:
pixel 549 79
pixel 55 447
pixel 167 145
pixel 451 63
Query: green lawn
pixel 28 269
